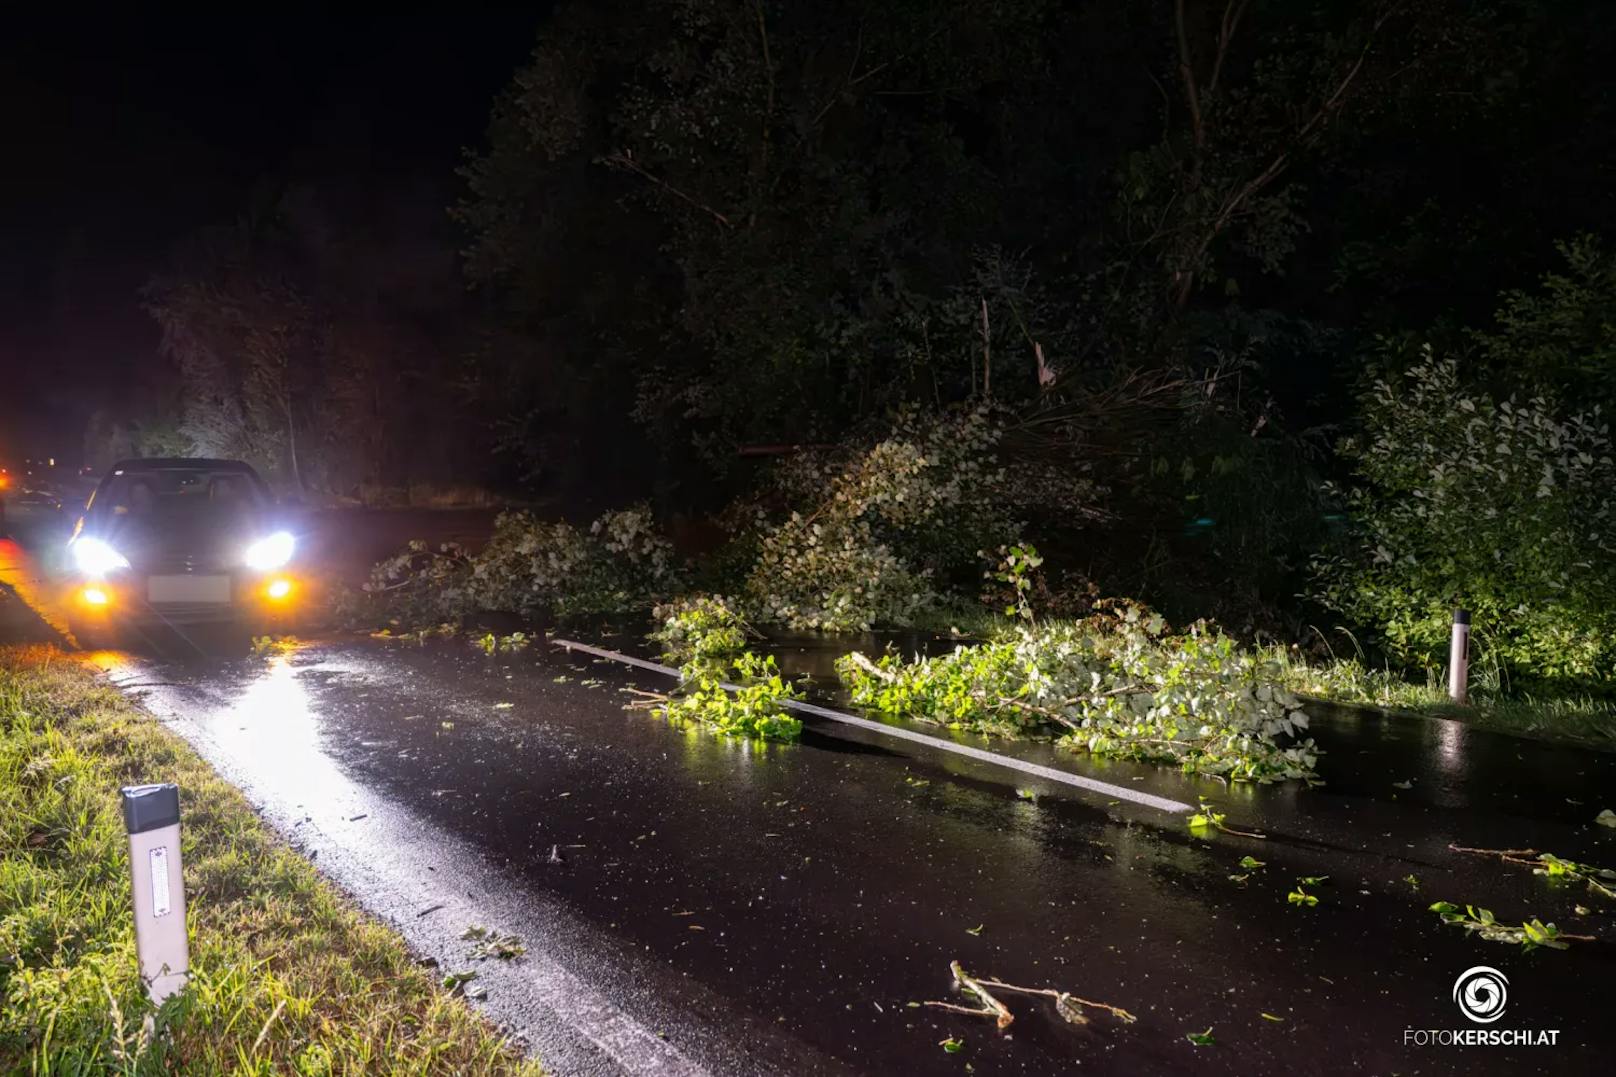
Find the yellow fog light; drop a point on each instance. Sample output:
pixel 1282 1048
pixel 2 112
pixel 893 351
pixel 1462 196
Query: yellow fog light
pixel 94 596
pixel 278 589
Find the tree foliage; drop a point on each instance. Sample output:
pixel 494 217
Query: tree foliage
pixel 301 343
pixel 1500 505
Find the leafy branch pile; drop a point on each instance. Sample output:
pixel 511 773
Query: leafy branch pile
pixel 1117 683
pixel 708 638
pixel 899 525
pixel 700 627
pixel 621 562
pixel 753 710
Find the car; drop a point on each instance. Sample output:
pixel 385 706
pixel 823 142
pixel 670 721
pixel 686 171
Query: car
pixel 180 541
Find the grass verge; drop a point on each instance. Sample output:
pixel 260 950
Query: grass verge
pixel 1573 719
pixel 287 975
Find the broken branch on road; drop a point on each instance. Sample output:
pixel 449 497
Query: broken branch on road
pixel 1069 1006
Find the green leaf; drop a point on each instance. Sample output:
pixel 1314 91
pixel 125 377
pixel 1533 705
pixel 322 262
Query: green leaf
pixel 1250 862
pixel 1606 818
pixel 952 1045
pixel 1201 1039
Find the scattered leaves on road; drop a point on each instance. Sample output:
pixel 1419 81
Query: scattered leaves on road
pixel 493 944
pixel 1300 896
pixel 1207 819
pixel 457 981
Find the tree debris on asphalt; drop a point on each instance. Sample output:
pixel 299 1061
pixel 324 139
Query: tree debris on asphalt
pixel 1068 1006
pixel 1547 864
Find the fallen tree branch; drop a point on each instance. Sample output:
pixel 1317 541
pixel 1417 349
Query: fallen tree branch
pixel 858 659
pixel 1003 1016
pixel 1030 708
pixel 1063 1001
pixel 1550 865
pixel 1513 856
pixel 1069 1006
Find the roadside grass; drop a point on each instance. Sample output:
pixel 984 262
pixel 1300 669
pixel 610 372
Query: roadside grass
pixel 1576 719
pixel 287 975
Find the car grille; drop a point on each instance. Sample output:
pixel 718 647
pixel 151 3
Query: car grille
pixel 190 612
pixel 183 565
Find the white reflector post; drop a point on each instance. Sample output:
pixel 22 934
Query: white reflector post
pixel 1459 657
pixel 151 814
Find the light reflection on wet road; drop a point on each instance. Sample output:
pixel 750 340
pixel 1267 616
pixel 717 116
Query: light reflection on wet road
pixel 696 903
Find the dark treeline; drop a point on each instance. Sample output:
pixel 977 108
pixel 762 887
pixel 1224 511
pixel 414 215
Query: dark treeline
pixel 1170 241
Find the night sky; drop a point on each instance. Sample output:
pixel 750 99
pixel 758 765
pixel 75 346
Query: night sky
pixel 125 133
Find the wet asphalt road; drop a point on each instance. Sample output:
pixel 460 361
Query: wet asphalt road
pixel 692 904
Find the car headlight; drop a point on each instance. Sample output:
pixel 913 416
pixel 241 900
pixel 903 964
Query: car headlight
pixel 270 552
pixel 96 558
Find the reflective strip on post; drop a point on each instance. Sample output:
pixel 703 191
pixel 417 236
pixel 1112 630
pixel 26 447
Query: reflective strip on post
pixel 151 814
pixel 1459 657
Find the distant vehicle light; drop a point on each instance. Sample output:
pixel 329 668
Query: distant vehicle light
pixel 94 596
pixel 95 558
pixel 278 589
pixel 270 552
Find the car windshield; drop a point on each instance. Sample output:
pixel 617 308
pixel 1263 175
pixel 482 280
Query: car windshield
pixel 189 493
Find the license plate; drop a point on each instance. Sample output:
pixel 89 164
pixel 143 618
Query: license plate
pixel 188 589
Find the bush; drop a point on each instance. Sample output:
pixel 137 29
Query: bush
pixel 1115 684
pixel 1500 506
